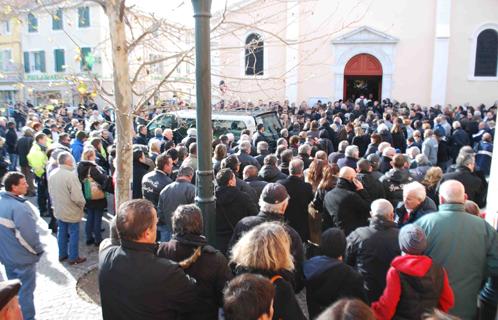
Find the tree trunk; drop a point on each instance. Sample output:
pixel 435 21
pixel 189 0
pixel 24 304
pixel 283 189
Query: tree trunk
pixel 122 93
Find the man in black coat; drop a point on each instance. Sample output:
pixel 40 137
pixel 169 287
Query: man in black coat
pixel 134 283
pixel 23 146
pixel 232 162
pixel 11 142
pixel 328 278
pixel 370 183
pixel 348 203
pixel 301 194
pixel 458 139
pixel 155 181
pixel 262 151
pixel 273 203
pixel 371 249
pixel 259 136
pixel 475 187
pixel 231 206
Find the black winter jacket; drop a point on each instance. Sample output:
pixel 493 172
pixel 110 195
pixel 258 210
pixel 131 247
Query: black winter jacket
pixel 348 209
pixel 271 173
pixel 301 194
pixel 24 144
pixel 393 182
pixel 135 284
pixel 231 206
pixel 372 185
pixel 370 250
pixel 210 270
pixel 153 183
pixel 328 280
pixel 476 188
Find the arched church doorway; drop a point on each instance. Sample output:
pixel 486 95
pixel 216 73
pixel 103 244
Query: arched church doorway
pixel 363 77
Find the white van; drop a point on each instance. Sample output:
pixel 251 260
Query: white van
pixel 223 123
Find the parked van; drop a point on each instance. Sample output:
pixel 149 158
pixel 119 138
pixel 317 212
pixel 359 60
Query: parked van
pixel 223 123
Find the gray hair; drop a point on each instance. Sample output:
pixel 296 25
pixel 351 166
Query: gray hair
pixel 416 188
pixel 381 208
pixel 187 219
pixel 63 156
pixel 351 151
pixel 270 159
pixel 304 148
pixel 245 146
pixel 343 145
pixel 413 152
pixel 262 146
pixel 185 172
pixel 389 152
pixel 273 208
pixel 456 125
pixel 422 159
pixel 296 167
pixel 464 159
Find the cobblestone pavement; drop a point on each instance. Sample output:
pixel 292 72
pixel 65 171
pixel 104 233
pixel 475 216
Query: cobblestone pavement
pixel 55 295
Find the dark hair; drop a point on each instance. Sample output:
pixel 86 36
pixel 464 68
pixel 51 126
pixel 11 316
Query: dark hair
pixel 63 136
pixel 260 126
pixel 133 218
pixel 224 176
pixel 11 179
pixel 231 162
pixel 220 152
pixel 187 219
pixel 80 135
pixel 347 309
pixel 248 296
pixel 162 160
pixel 286 156
pixel 39 136
pixel 376 138
pixel 172 153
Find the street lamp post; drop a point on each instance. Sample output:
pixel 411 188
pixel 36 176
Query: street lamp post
pixel 205 187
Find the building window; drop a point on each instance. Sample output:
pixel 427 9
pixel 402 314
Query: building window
pixel 34 61
pixel 57 21
pixel 32 23
pixel 85 58
pixel 5 60
pixel 83 17
pixel 254 58
pixel 59 60
pixel 5 27
pixel 486 54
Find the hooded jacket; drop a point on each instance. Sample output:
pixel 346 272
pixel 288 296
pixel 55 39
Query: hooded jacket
pixel 393 182
pixel 415 285
pixel 271 173
pixel 328 280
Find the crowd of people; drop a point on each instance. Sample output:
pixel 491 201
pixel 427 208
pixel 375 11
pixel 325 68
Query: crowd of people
pixel 372 208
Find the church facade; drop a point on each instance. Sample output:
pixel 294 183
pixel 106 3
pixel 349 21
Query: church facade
pixel 428 51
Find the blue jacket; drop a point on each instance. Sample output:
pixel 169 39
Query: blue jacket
pixel 77 149
pixel 483 156
pixel 19 240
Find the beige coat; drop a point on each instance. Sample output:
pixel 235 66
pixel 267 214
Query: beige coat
pixel 66 194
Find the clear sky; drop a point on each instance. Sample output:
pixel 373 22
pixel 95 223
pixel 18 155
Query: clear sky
pixel 180 11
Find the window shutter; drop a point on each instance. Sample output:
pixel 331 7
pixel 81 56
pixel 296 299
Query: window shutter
pixel 42 62
pixel 486 54
pixel 84 53
pixel 59 60
pixel 26 62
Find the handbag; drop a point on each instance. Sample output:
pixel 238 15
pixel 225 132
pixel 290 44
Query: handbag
pixel 92 189
pixel 314 223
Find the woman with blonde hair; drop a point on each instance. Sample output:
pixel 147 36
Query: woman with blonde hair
pixel 265 250
pixel 431 181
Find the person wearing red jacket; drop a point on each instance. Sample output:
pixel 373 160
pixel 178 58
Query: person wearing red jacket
pixel 414 283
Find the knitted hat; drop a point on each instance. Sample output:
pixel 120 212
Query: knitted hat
pixel 412 239
pixel 8 290
pixel 333 243
pixel 274 193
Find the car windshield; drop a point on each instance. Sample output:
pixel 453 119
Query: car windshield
pixel 272 124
